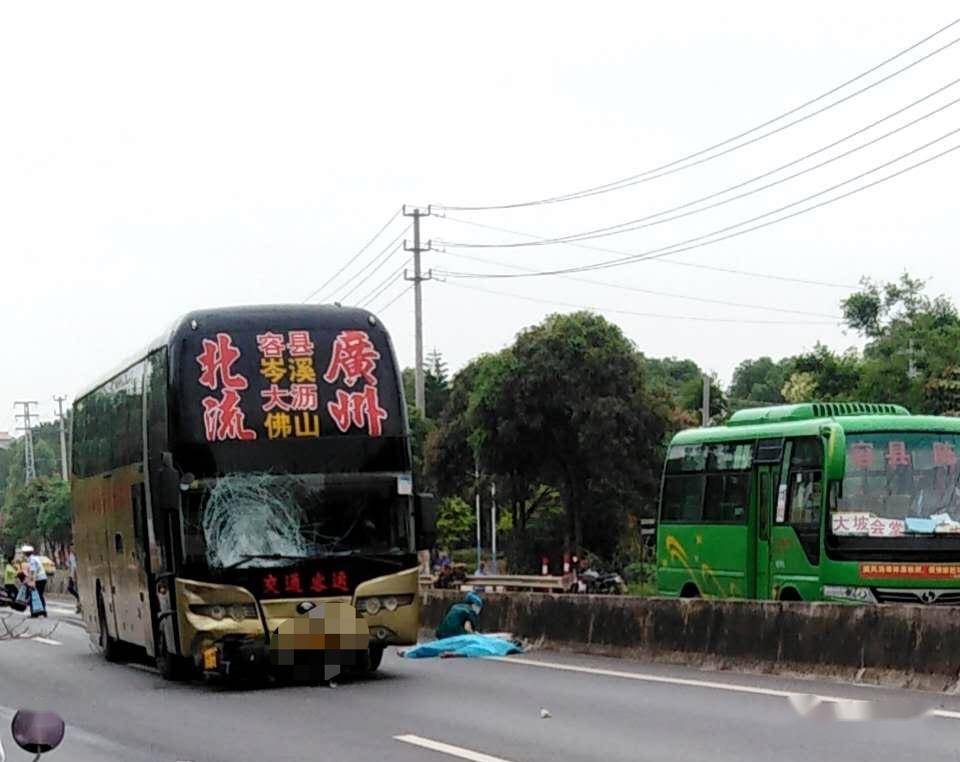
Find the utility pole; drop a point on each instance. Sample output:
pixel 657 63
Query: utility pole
pixel 64 467
pixel 417 278
pixel 493 526
pixel 705 409
pixel 476 476
pixel 30 468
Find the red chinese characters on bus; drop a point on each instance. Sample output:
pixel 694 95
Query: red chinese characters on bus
pixel 897 454
pixel 354 357
pixel 358 409
pixel 223 418
pixel 944 454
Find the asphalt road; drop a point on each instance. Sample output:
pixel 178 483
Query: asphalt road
pixel 451 709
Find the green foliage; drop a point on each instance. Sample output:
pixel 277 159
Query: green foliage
pixel 760 380
pixel 39 510
pixel 456 523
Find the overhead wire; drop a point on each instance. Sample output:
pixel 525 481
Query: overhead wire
pixel 385 249
pixel 641 223
pixel 382 286
pixel 637 289
pixel 664 316
pixel 390 303
pixel 354 257
pixel 693 265
pixel 701 240
pixel 671 166
pixel 360 282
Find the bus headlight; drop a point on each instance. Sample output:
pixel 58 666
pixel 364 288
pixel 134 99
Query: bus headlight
pixel 849 593
pixel 371 605
pixel 219 611
pixel 390 603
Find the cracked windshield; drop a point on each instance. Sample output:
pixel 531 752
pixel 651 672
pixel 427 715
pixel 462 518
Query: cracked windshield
pixel 505 382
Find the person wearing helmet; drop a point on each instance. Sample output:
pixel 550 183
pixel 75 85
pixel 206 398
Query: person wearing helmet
pixel 461 618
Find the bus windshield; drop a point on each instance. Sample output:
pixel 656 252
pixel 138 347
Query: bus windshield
pixel 899 483
pixel 262 520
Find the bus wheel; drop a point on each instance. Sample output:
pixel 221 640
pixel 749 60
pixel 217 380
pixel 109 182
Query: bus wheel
pixel 170 666
pixel 109 647
pixel 690 591
pixel 369 662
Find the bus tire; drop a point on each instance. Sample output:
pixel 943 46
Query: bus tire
pixel 170 666
pixel 109 647
pixel 369 662
pixel 690 591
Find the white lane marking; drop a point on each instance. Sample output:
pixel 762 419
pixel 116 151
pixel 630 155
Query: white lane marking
pixel 46 641
pixel 446 748
pixel 712 684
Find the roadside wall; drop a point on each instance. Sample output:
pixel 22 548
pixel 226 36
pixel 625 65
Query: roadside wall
pixel 906 645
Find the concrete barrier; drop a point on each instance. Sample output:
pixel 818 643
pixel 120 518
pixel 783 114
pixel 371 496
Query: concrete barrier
pixel 906 645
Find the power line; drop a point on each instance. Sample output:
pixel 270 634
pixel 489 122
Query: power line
pixel 631 225
pixel 379 254
pixel 383 261
pixel 353 258
pixel 383 285
pixel 698 241
pixel 636 289
pixel 571 305
pixel 390 303
pixel 694 265
pixel 671 166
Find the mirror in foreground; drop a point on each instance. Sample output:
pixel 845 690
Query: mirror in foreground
pixel 37 732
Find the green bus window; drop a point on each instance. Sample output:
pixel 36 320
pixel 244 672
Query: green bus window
pixel 686 459
pixel 805 498
pixel 682 497
pixel 726 498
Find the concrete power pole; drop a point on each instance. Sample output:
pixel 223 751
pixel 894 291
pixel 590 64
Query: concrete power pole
pixel 64 466
pixel 493 526
pixel 30 468
pixel 705 409
pixel 417 279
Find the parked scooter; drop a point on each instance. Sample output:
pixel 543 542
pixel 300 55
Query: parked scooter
pixel 592 582
pixel 35 732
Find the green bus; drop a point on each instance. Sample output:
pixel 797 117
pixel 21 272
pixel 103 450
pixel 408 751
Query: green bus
pixel 850 502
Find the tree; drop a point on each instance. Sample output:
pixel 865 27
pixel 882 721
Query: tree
pixel 800 387
pixel 40 510
pixel 836 377
pixel 759 380
pixel 690 398
pixel 456 522
pixel 435 384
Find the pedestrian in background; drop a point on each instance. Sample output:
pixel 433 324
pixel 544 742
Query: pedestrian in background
pixel 36 579
pixel 10 576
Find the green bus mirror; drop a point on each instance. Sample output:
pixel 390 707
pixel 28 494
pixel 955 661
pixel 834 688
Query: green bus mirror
pixel 834 451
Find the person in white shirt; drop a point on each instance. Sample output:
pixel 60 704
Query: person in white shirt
pixel 36 574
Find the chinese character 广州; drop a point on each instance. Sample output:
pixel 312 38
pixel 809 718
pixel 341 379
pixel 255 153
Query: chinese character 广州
pixel 339 581
pixel 273 369
pixel 291 583
pixel 897 454
pixel 353 355
pixel 306 424
pixel 270 584
pixel 270 344
pixel 358 409
pixel 223 419
pixel 944 454
pixel 217 359
pixel 861 453
pixel 305 397
pixel 318 583
pixel 302 370
pixel 299 344
pixel 274 397
pixel 278 425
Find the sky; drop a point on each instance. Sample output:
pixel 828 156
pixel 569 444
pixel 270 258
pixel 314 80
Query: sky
pixel 160 158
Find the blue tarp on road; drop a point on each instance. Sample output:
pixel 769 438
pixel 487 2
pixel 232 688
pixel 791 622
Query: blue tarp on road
pixel 464 645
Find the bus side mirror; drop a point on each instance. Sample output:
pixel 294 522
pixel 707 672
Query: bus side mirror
pixel 425 516
pixel 834 452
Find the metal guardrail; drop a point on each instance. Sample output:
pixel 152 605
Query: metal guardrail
pixel 505 582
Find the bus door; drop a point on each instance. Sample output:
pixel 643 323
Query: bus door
pixel 127 581
pixel 766 478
